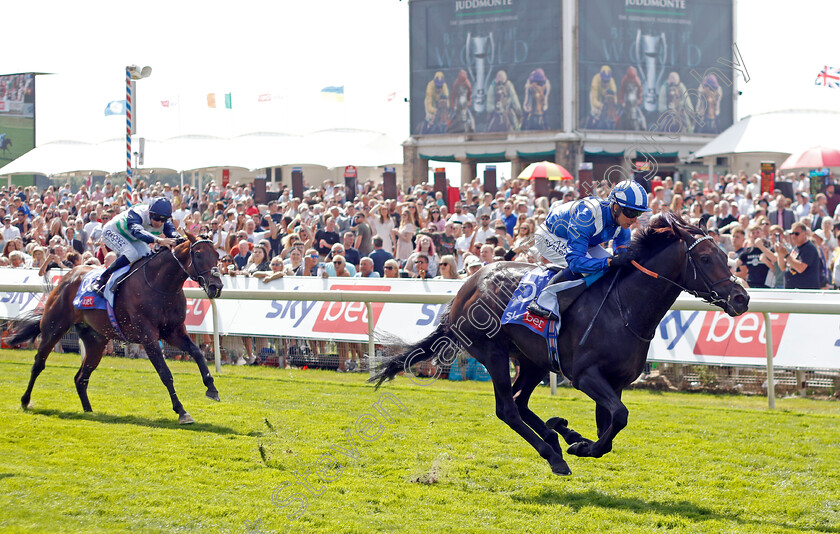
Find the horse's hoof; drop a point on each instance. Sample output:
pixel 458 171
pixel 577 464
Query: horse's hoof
pixel 581 448
pixel 24 406
pixel 185 419
pixel 88 410
pixel 213 395
pixel 556 422
pixel 561 468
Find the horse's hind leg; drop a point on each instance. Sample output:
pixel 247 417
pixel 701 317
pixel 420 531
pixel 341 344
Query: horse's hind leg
pixel 179 338
pixel 156 357
pixel 49 338
pixel 94 347
pixel 496 360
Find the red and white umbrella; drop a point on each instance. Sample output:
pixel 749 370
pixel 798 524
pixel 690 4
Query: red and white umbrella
pixel 813 158
pixel 545 169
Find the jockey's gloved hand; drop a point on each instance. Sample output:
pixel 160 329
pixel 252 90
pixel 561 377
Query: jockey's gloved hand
pixel 620 260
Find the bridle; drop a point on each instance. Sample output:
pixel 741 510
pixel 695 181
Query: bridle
pixel 710 295
pixel 199 277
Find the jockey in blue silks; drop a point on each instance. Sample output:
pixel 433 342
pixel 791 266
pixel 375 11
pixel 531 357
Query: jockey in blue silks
pixel 572 235
pixel 130 233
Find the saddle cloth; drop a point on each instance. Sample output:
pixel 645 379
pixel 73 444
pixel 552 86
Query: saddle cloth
pixel 86 299
pixel 516 312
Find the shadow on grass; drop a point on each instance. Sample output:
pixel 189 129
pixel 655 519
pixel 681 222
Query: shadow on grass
pixel 688 510
pixel 134 420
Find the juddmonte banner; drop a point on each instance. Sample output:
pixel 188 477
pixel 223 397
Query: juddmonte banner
pixel 693 337
pixel 485 65
pixel 641 60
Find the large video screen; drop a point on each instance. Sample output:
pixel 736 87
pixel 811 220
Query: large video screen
pixel 653 65
pixel 17 116
pixel 485 66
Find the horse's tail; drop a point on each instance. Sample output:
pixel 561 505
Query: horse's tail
pixel 441 343
pixel 25 328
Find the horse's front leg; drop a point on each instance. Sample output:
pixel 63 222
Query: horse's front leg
pixel 179 338
pixel 156 357
pixel 611 414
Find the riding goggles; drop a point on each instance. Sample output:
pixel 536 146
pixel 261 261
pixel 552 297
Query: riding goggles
pixel 158 218
pixel 630 213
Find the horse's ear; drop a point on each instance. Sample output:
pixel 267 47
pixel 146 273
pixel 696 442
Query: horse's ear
pixel 191 237
pixel 704 219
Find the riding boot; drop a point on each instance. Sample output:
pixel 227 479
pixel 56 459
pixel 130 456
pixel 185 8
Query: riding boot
pixel 564 287
pixel 99 284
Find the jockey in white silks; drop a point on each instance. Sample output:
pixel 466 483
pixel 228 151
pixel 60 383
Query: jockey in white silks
pixel 572 235
pixel 130 233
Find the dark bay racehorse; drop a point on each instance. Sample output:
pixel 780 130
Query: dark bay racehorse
pixel 149 306
pixel 671 257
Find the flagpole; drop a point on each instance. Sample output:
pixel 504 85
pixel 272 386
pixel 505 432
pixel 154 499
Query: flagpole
pixel 132 73
pixel 128 123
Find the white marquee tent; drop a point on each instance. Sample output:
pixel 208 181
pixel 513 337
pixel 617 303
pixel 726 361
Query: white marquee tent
pixel 327 148
pixel 782 132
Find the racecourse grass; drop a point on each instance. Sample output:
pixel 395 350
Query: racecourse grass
pixel 686 462
pixel 20 131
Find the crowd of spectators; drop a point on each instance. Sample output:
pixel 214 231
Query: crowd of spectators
pixel 771 240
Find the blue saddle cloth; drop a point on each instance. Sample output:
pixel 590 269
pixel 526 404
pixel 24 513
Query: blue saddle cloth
pixel 516 311
pixel 87 299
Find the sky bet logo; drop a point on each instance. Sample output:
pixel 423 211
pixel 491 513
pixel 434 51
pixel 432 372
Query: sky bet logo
pixel 196 308
pixel 348 317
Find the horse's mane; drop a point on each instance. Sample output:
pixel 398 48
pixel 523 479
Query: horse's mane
pixel 660 232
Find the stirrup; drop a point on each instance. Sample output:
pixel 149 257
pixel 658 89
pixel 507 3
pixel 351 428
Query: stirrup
pixel 98 287
pixel 536 309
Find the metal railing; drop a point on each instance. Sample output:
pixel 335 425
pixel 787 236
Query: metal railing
pixel 758 304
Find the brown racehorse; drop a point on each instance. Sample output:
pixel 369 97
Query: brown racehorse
pixel 149 306
pixel 622 309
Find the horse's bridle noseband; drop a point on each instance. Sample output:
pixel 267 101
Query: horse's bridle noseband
pixel 199 277
pixel 710 295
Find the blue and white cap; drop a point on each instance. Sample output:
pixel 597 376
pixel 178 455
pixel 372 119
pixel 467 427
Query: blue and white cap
pixel 629 194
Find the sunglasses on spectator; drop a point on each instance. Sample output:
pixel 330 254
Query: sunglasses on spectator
pixel 389 267
pixel 227 260
pixel 795 233
pixel 276 264
pixel 630 213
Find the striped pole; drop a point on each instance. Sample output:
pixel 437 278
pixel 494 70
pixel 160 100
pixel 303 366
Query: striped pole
pixel 128 111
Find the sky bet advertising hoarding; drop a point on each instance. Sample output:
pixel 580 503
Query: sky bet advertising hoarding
pixel 653 65
pixel 485 66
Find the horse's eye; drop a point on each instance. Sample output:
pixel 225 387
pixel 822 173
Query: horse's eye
pixel 705 259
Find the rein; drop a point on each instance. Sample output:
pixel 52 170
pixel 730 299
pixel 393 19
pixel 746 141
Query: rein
pixel 198 278
pixel 710 295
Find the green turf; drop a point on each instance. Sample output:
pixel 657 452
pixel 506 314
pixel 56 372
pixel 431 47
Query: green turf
pixel 686 462
pixel 20 131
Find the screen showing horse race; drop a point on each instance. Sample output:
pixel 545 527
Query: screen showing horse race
pixel 485 66
pixel 17 116
pixel 653 65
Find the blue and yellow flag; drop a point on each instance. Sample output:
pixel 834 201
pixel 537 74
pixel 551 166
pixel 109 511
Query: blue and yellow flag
pixel 334 93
